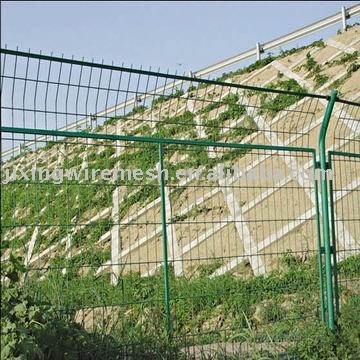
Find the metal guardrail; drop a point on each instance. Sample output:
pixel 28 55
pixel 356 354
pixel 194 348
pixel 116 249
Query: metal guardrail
pixel 304 31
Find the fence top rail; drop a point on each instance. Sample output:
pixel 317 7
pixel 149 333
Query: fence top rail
pixel 347 102
pixel 343 153
pixel 100 136
pixel 156 74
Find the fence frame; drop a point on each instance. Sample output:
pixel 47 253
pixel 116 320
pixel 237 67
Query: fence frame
pixel 325 209
pixel 325 223
pixel 329 311
pixel 333 249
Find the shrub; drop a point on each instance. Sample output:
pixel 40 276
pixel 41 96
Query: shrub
pixel 317 342
pixel 349 330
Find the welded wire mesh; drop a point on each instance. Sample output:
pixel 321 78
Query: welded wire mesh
pixel 215 265
pixel 345 196
pixel 233 232
pixel 52 93
pixel 97 250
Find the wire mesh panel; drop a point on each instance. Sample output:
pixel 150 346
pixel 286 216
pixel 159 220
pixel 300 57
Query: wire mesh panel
pixel 345 196
pixel 242 250
pixel 166 215
pixel 223 243
pixel 87 240
pixel 44 92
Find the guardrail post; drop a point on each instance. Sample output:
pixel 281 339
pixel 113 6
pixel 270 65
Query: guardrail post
pixel 325 210
pixel 344 16
pixel 164 238
pixel 259 51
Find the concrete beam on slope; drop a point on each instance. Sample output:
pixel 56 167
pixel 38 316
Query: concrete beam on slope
pixel 236 213
pixel 68 252
pixel 31 246
pixel 131 248
pixel 194 243
pixel 190 104
pixel 289 161
pixel 286 229
pixel 242 228
pixel 61 156
pixel 104 213
pixel 287 72
pixel 173 247
pixel 345 48
pixel 345 236
pixel 117 197
pixel 118 130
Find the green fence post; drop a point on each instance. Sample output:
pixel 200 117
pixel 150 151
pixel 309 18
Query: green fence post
pixel 325 209
pixel 320 264
pixel 333 236
pixel 164 238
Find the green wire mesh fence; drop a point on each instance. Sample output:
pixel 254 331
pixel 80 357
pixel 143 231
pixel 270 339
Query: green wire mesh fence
pixel 231 265
pixel 344 160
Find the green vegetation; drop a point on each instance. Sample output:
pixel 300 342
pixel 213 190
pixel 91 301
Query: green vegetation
pixel 59 206
pixel 353 67
pixel 191 88
pixel 311 65
pixel 144 195
pixel 34 329
pixel 345 59
pixel 320 79
pixel 178 125
pixel 317 43
pixel 350 26
pixel 268 59
pixel 247 127
pixel 162 98
pixel 193 213
pixel 255 66
pixel 233 111
pixel 283 306
pixel 91 233
pixel 140 109
pixel 271 104
pixel 314 70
